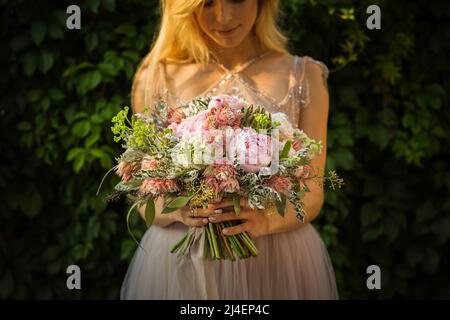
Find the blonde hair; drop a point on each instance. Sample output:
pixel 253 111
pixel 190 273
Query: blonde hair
pixel 180 40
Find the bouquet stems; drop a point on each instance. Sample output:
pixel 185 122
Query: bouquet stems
pixel 217 245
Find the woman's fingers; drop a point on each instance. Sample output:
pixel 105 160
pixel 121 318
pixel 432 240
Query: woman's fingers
pixel 228 203
pixel 229 231
pixel 203 213
pixel 222 204
pixel 225 217
pixel 196 222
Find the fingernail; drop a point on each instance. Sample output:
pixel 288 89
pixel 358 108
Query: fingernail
pixel 225 231
pixel 212 218
pixel 218 211
pixel 205 220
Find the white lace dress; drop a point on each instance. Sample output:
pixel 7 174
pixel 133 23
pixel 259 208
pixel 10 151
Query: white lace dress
pixel 290 265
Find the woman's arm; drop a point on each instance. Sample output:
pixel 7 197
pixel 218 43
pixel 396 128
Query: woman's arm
pixel 161 219
pixel 314 122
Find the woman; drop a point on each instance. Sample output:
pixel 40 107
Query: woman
pixel 209 47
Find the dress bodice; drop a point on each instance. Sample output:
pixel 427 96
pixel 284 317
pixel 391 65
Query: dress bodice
pixel 238 83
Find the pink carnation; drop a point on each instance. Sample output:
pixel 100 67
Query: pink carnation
pixel 296 145
pixel 175 115
pixel 158 186
pixel 224 111
pixel 221 177
pixel 124 171
pixel 218 102
pixel 149 163
pixel 279 184
pixel 303 171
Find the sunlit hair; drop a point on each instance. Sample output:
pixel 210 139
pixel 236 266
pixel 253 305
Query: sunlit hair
pixel 180 40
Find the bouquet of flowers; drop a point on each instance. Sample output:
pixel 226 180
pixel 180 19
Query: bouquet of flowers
pixel 207 150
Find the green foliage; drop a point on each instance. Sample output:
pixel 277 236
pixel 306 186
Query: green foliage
pixel 388 138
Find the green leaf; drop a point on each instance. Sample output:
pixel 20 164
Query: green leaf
pixel 237 203
pixel 56 94
pixel 47 60
pixel 79 162
pixel 281 205
pixel 93 5
pixel 110 5
pixel 108 69
pixel 128 186
pixel 89 81
pixel 150 212
pixel 34 95
pixel 126 29
pixel 176 204
pixel 74 153
pixel 29 63
pixel 33 204
pixel 91 41
pixel 24 126
pixel 286 149
pixel 81 128
pixel 38 31
pixel 97 119
pixel 91 140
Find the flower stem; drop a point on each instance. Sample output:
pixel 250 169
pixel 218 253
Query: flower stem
pixel 214 241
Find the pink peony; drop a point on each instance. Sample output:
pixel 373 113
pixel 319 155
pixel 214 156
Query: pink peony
pixel 252 148
pixel 221 177
pixel 191 126
pixel 158 186
pixel 279 184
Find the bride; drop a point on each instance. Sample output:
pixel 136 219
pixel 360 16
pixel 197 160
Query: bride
pixel 212 47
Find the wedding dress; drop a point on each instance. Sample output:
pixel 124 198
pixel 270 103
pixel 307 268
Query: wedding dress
pixel 290 265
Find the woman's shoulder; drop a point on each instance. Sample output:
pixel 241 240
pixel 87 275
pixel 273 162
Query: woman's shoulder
pixel 313 66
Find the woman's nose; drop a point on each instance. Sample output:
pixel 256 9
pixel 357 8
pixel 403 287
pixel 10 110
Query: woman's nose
pixel 223 12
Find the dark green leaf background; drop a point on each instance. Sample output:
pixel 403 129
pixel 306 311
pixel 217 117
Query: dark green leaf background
pixel 388 138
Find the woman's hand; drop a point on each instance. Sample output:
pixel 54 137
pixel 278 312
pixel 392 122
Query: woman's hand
pixel 195 218
pixel 255 221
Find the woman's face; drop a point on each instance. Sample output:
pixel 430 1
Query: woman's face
pixel 227 22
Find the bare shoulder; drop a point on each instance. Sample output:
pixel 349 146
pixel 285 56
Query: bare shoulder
pixel 316 71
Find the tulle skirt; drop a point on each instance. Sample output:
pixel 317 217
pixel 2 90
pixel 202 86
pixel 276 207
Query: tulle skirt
pixel 290 265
